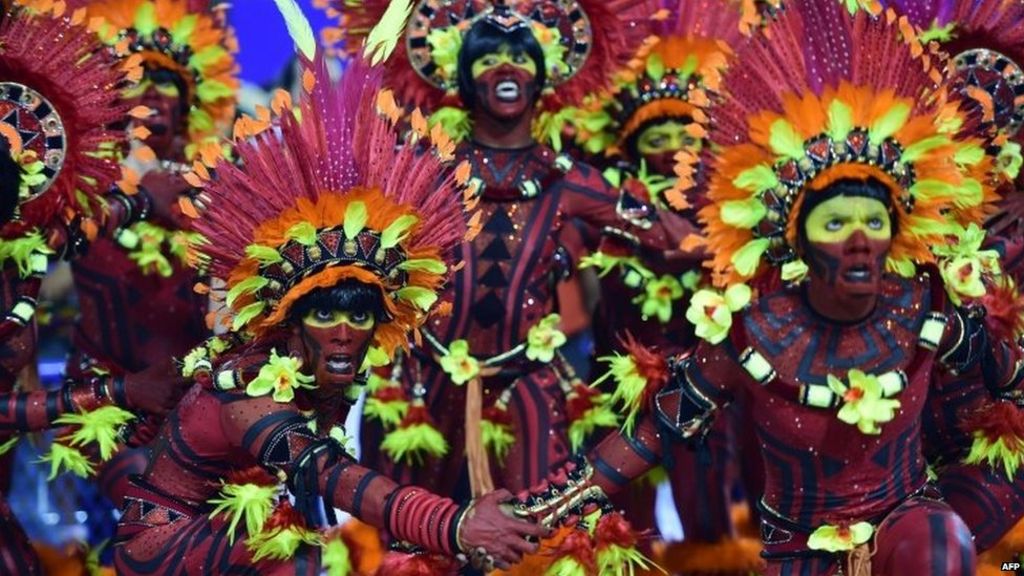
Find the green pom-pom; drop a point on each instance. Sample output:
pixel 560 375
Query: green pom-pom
pixel 252 502
pixel 616 560
pixel 600 416
pixel 412 444
pixel 497 438
pixel 389 413
pixel 336 559
pixel 100 427
pixel 566 567
pixel 281 543
pixel 63 458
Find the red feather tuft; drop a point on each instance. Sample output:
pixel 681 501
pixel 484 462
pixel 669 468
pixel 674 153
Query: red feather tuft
pixel 1004 311
pixel 580 400
pixel 253 475
pixel 999 420
pixel 390 394
pixel 650 363
pixel 397 564
pixel 614 530
pixel 497 415
pixel 417 414
pixel 579 546
pixel 284 516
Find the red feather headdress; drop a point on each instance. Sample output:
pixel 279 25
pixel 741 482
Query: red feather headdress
pixel 327 195
pixel 826 96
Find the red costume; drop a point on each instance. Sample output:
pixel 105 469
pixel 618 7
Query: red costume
pixel 330 240
pixel 822 145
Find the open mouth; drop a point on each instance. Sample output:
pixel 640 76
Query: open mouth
pixel 340 364
pixel 859 273
pixel 507 91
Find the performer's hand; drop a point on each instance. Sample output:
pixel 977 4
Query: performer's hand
pixel 164 189
pixel 157 389
pixel 487 527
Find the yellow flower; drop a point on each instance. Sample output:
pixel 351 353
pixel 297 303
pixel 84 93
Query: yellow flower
pixel 280 376
pixel 544 339
pixel 711 312
pixel 659 297
pixel 1010 160
pixel 863 404
pixel 832 538
pixel 459 364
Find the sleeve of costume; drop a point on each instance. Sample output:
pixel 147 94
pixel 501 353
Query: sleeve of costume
pixel 968 349
pixel 588 196
pixel 37 410
pixel 699 386
pixel 281 440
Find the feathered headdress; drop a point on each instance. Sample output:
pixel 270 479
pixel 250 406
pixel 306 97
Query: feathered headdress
pixel 985 42
pixel 674 76
pixel 584 41
pixel 186 37
pixel 327 196
pixel 827 96
pixel 58 95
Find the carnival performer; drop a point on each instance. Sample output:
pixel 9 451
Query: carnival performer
pixel 840 164
pixel 983 42
pixel 137 306
pixel 658 110
pixel 58 94
pixel 334 245
pixel 497 353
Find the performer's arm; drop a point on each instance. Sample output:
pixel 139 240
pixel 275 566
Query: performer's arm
pixel 968 349
pixel 589 197
pixel 37 410
pixel 281 440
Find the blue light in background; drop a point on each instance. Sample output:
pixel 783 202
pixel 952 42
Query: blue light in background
pixel 264 45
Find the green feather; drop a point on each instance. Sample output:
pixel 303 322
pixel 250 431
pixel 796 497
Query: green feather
pixel 454 121
pixel 599 416
pixel 747 258
pixel 298 27
pixel 382 40
pixel 390 413
pixel 211 91
pixel 424 265
pixel 245 315
pixel 145 19
pixel 915 151
pixel 253 502
pixel 336 559
pixel 355 219
pixel 182 31
pixel 397 231
pixel 968 155
pixel 6 446
pixel 64 458
pixel 743 213
pixel 497 438
pixel 890 123
pixel 422 298
pixel 567 566
pixel 265 255
pixel 756 179
pixel 689 66
pixel 100 427
pixel 785 140
pixel 932 189
pixel 281 543
pixel 656 67
pixel 970 193
pixel 304 233
pixel 411 444
pixel 840 120
pixel 248 286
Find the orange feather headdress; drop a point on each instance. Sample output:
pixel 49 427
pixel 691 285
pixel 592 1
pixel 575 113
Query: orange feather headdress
pixel 185 37
pixel 326 196
pixel 827 96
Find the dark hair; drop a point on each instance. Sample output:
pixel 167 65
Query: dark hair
pixel 165 76
pixel 348 295
pixel 849 188
pixel 10 183
pixel 486 37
